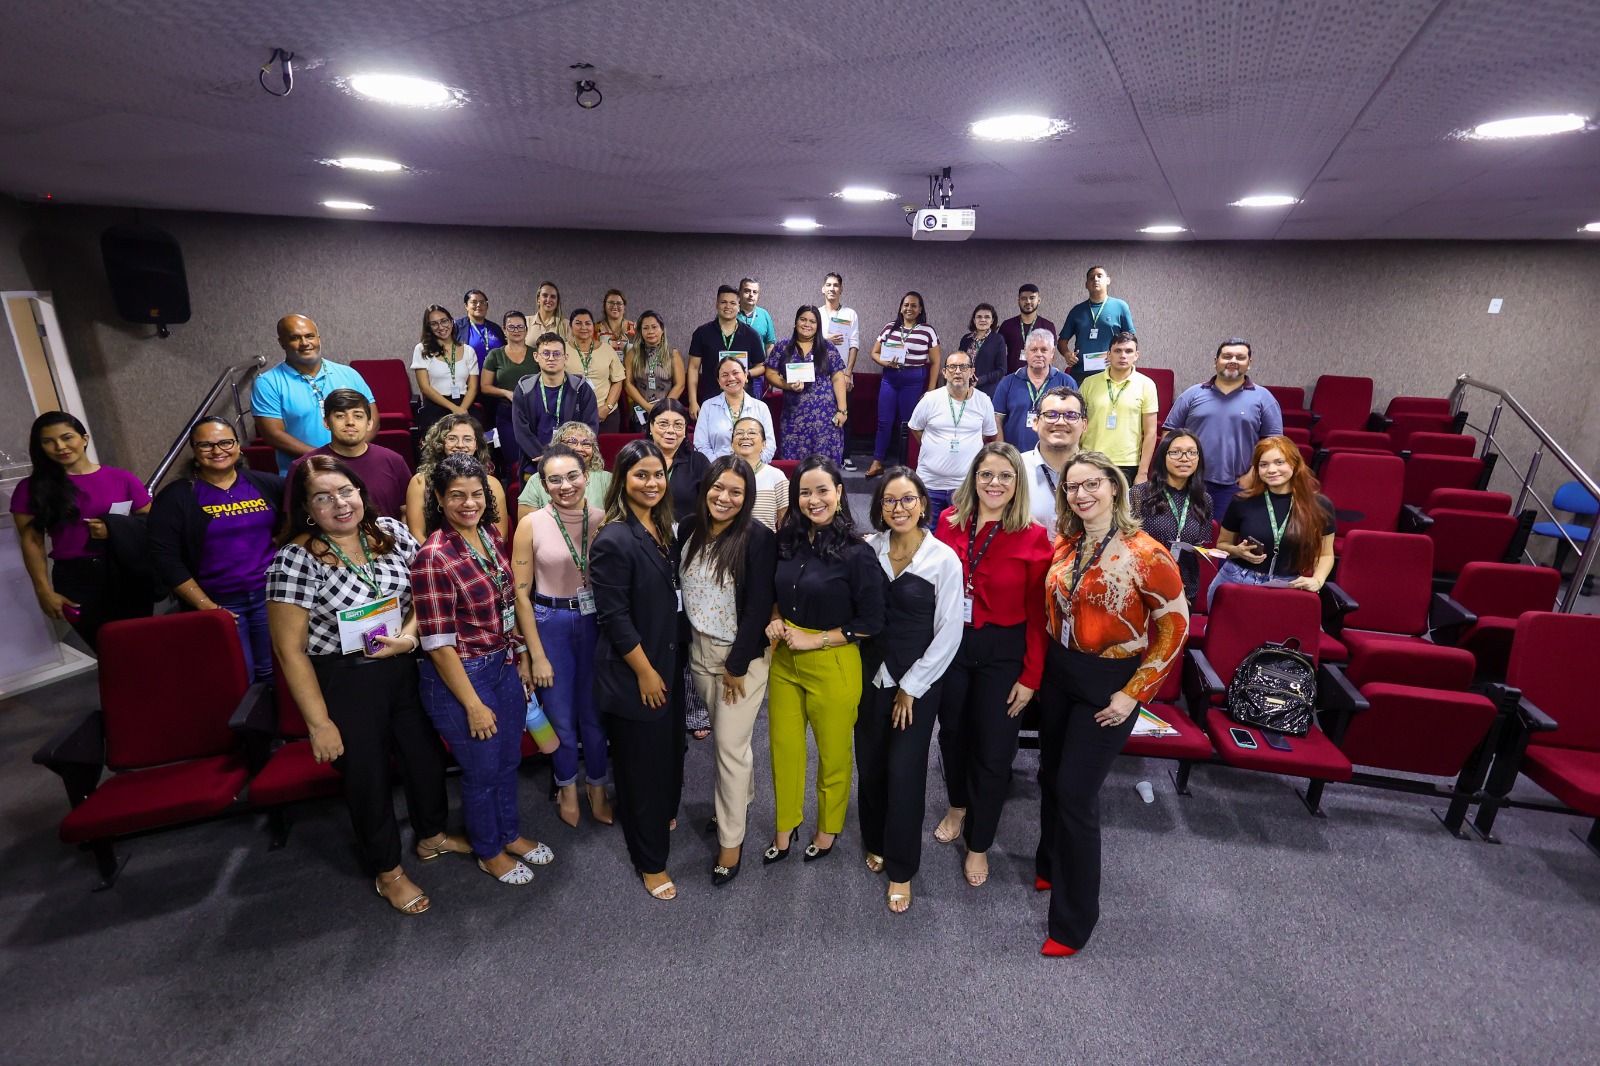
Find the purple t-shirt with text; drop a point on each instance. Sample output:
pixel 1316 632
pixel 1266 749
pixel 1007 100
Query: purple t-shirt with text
pixel 238 542
pixel 96 493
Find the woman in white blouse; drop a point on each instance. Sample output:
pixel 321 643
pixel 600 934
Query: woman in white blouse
pixel 446 370
pixel 751 440
pixel 713 432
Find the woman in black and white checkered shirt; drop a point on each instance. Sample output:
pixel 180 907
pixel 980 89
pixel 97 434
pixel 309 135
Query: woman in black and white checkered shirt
pixel 361 707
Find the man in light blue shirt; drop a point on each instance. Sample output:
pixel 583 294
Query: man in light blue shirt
pixel 1228 415
pixel 1087 331
pixel 287 400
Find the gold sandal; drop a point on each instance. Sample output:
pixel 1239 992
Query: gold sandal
pixel 900 897
pixel 428 852
pixel 410 906
pixel 875 863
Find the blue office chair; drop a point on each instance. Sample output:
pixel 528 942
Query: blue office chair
pixel 1575 500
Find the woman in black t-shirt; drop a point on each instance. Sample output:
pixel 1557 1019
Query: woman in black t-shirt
pixel 1280 528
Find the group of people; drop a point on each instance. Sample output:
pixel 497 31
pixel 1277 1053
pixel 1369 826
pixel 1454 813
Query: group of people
pixel 1043 549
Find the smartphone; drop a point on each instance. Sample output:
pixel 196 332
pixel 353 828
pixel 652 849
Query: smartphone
pixel 70 613
pixel 1242 738
pixel 371 641
pixel 1251 542
pixel 1276 741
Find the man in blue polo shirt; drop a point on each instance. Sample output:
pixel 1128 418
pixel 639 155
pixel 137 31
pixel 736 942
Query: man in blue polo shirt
pixel 474 328
pixel 287 400
pixel 1016 398
pixel 1228 415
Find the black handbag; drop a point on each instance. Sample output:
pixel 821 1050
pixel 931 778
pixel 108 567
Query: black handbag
pixel 1274 687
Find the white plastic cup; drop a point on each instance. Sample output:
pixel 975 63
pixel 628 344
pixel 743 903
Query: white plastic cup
pixel 1146 793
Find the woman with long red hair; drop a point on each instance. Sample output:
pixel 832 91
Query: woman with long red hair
pixel 1279 528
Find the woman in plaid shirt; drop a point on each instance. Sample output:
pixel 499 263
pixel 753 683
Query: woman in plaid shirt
pixel 475 681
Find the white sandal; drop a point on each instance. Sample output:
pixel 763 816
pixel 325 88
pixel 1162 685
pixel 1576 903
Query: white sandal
pixel 539 855
pixel 517 875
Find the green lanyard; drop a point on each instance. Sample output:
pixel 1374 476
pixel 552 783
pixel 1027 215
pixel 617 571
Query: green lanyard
pixel 497 576
pixel 581 561
pixel 586 357
pixel 954 417
pixel 452 361
pixel 1094 316
pixel 729 338
pixel 1115 396
pixel 544 397
pixel 366 577
pixel 1183 515
pixel 1033 393
pixel 1277 529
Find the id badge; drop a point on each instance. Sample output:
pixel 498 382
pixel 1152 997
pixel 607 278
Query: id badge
pixel 955 444
pixel 679 593
pixel 1111 420
pixel 744 358
pixel 966 610
pixel 1094 333
pixel 585 601
pixel 508 620
pixel 1032 418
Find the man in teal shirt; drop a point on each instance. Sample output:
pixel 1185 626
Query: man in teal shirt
pixel 756 318
pixel 287 400
pixel 1086 334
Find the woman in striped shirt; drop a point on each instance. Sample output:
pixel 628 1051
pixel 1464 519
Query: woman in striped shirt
pixel 908 351
pixel 1117 618
pixel 772 487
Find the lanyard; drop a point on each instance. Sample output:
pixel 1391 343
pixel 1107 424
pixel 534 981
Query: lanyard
pixel 1182 516
pixel 586 357
pixel 1080 568
pixel 580 561
pixel 314 383
pixel 1033 393
pixel 497 576
pixel 954 417
pixel 452 361
pixel 652 363
pixel 544 397
pixel 729 338
pixel 478 333
pixel 1094 316
pixel 1277 529
pixel 972 542
pixel 366 578
pixel 734 416
pixel 1115 396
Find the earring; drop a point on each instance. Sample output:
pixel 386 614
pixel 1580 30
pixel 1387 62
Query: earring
pixel 310 521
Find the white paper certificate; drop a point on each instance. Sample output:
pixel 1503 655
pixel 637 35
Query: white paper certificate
pixel 1094 362
pixel 356 622
pixel 805 372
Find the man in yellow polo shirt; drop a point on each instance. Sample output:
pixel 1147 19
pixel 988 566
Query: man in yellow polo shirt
pixel 1122 402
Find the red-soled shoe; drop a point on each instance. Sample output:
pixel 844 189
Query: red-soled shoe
pixel 1040 884
pixel 1055 950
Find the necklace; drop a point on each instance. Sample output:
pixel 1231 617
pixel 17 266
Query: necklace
pixel 906 556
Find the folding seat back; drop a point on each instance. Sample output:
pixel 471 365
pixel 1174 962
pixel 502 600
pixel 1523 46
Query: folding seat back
pixel 1429 405
pixel 863 405
pixel 390 382
pixel 612 443
pixel 1499 594
pixel 1391 576
pixel 1357 440
pixel 1404 425
pixel 790 467
pixel 1365 489
pixel 1165 384
pixel 1461 537
pixel 1343 403
pixel 168 686
pixel 1400 663
pixel 913 450
pixel 1301 437
pixel 1422 443
pixel 1547 664
pixel 1289 397
pixel 261 457
pixel 398 441
pixel 1243 617
pixel 1467 500
pixel 1425 473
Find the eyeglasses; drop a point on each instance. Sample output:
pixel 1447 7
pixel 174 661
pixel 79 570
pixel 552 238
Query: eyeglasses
pixel 227 444
pixel 436 323
pixel 674 425
pixel 988 477
pixel 1187 454
pixel 1089 485
pixel 555 481
pixel 1068 417
pixel 951 368
pixel 577 442
pixel 344 495
pixel 517 329
pixel 901 503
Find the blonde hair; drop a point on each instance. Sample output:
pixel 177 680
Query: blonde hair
pixel 1017 514
pixel 1068 524
pixel 596 460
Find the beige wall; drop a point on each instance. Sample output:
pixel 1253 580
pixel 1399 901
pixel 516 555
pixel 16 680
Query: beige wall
pixel 1411 314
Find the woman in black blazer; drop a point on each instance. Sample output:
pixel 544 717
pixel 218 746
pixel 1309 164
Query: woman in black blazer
pixel 636 669
pixel 726 574
pixel 210 536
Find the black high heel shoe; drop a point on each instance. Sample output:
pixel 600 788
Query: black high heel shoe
pixel 813 853
pixel 721 875
pixel 776 854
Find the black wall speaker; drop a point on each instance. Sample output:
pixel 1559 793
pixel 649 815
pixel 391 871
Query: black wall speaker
pixel 145 268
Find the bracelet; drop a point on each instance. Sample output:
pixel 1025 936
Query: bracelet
pixel 824 640
pixel 416 641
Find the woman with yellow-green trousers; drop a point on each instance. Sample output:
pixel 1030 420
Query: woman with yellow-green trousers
pixel 830 596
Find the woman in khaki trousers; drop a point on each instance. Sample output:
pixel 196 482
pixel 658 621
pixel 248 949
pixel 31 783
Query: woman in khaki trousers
pixel 725 573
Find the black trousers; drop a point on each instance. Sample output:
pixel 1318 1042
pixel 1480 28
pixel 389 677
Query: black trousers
pixel 647 766
pixel 893 768
pixel 977 738
pixel 376 705
pixel 84 582
pixel 1075 754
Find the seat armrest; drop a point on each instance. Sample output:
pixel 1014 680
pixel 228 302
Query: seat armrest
pixel 1412 520
pixel 1378 422
pixel 1447 618
pixel 1336 604
pixel 77 754
pixel 1535 720
pixel 1200 683
pixel 1339 698
pixel 257 712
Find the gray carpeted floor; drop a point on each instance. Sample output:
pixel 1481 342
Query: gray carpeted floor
pixel 1236 928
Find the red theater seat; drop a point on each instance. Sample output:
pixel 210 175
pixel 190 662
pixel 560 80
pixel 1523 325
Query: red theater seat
pixel 1342 402
pixel 166 741
pixel 1166 383
pixel 1500 594
pixel 1428 473
pixel 612 443
pixel 1365 490
pixel 390 382
pixel 1442 444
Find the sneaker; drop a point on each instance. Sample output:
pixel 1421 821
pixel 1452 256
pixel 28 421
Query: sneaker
pixel 849 464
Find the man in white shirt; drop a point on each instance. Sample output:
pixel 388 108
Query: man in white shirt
pixel 1060 418
pixel 842 328
pixel 951 425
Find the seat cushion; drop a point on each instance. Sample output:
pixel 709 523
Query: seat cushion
pixel 292 775
pixel 1356 639
pixel 1191 741
pixel 162 795
pixel 1312 755
pixel 1418 730
pixel 1569 774
pixel 1330 650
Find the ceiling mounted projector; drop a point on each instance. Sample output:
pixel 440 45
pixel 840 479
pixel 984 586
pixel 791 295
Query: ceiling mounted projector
pixel 943 224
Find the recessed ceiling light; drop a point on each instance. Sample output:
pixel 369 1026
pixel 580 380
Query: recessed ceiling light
pixel 1018 128
pixel 347 205
pixel 861 194
pixel 1268 200
pixel 356 162
pixel 402 89
pixel 1593 227
pixel 1163 229
pixel 1531 126
pixel 801 223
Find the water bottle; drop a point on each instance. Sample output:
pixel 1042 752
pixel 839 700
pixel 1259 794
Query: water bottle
pixel 1146 793
pixel 544 734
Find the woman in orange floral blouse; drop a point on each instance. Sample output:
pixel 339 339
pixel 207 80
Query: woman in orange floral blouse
pixel 1117 617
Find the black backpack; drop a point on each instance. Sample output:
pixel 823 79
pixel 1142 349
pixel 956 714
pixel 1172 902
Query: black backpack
pixel 1274 687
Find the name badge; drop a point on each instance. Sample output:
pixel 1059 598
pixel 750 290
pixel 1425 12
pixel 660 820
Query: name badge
pixel 744 360
pixel 966 610
pixel 585 601
pixel 1111 420
pixel 1032 419
pixel 508 620
pixel 679 593
pixel 1094 333
pixel 805 372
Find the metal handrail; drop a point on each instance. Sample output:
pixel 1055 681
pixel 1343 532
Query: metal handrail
pixel 1506 401
pixel 228 381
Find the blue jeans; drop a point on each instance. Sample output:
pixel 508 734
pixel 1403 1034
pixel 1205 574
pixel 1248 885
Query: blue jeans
pixel 510 451
pixel 1231 573
pixel 898 394
pixel 1221 496
pixel 488 767
pixel 937 502
pixel 569 639
pixel 251 609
